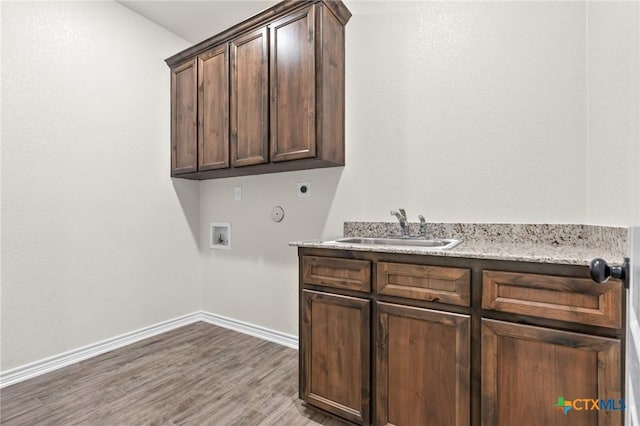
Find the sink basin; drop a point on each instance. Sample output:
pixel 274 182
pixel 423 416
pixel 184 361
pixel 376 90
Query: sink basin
pixel 437 244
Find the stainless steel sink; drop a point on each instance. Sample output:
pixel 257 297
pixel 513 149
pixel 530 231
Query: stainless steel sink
pixel 436 244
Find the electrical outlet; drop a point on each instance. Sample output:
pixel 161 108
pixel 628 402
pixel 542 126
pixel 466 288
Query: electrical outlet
pixel 304 189
pixel 237 193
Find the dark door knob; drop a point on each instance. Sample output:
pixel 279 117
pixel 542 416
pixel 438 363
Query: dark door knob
pixel 601 271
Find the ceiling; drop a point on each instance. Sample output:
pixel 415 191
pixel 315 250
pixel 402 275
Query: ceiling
pixel 195 21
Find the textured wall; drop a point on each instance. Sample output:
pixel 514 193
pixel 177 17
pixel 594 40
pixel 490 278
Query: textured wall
pixel 613 133
pixel 96 240
pixel 464 112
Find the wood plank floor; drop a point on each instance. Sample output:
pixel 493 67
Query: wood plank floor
pixel 195 375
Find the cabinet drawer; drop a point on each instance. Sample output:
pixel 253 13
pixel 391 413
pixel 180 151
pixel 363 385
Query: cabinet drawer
pixel 430 283
pixel 337 273
pixel 578 300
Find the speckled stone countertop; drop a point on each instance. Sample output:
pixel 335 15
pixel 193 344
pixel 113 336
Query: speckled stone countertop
pixel 544 243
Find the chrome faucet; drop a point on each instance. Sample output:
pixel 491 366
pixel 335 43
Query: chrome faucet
pixel 423 227
pixel 402 218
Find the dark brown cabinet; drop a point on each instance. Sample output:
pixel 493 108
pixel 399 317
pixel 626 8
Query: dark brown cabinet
pixel 422 282
pixel 184 107
pixel 335 363
pixel 458 341
pixel 293 88
pixel 572 299
pixel 213 109
pixel 270 94
pixel 422 366
pixel 250 99
pixel 422 361
pixel 527 370
pixel 536 366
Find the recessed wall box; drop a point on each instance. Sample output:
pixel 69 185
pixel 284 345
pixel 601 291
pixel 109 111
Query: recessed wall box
pixel 220 236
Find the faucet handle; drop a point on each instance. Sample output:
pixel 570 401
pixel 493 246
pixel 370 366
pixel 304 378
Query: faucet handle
pixel 423 226
pixel 403 213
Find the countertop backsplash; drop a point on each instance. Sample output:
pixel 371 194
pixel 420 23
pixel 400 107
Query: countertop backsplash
pixel 592 238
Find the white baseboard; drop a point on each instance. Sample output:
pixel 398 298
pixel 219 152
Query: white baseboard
pixel 284 339
pixel 47 365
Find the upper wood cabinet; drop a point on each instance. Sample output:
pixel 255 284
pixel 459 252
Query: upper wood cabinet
pixel 184 143
pixel 269 95
pixel 250 99
pixel 293 90
pixel 213 109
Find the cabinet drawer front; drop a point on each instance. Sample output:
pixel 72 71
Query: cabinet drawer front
pixel 570 299
pixel 431 283
pixel 337 273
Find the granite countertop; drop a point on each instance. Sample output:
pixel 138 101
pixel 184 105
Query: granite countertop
pixel 561 244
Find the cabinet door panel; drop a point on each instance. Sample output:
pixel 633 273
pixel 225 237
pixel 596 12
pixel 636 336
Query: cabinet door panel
pixel 422 367
pixel 213 109
pixel 293 90
pixel 330 91
pixel 335 347
pixel 525 370
pixel 250 99
pixel 184 148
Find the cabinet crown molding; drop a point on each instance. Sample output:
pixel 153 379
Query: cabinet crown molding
pixel 285 7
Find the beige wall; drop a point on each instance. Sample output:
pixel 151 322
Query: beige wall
pixel 97 241
pixel 613 161
pixel 470 112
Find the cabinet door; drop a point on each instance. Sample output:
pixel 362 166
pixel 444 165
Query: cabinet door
pixel 250 99
pixel 213 109
pixel 532 373
pixel 335 354
pixel 184 144
pixel 422 367
pixel 293 90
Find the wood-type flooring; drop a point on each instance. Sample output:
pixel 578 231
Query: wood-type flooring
pixel 199 374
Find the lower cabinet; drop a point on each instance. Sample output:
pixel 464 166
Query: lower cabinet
pixel 335 354
pixel 422 367
pixel 533 372
pixel 400 340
